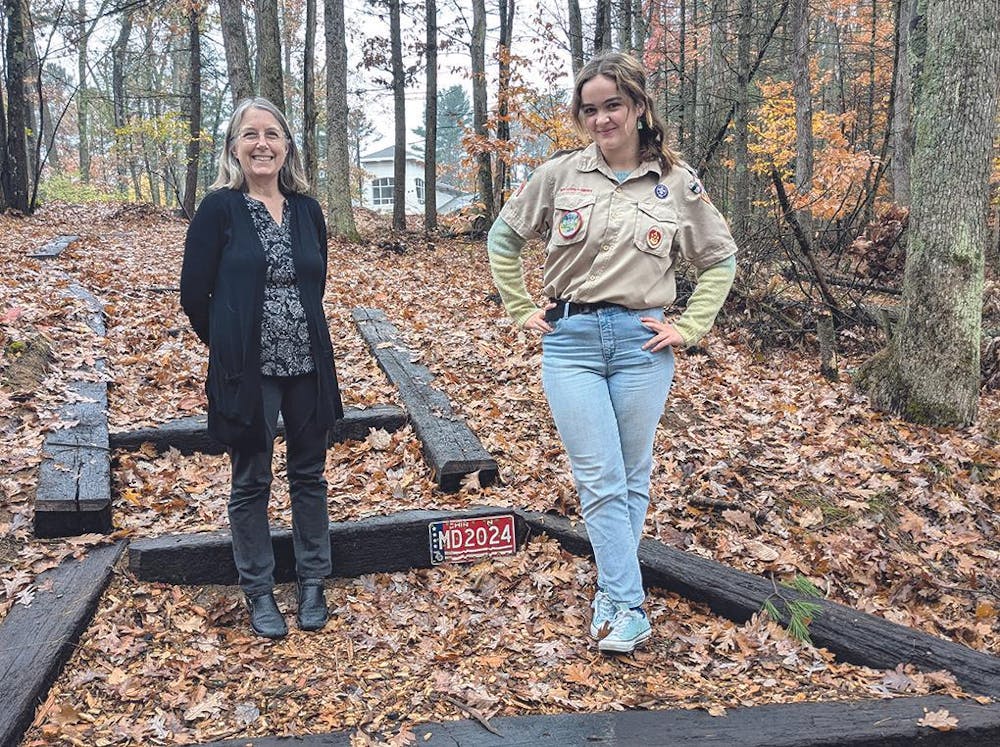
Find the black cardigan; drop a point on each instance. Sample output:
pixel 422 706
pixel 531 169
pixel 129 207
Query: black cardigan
pixel 222 293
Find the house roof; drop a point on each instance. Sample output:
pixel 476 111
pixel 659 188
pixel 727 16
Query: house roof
pixel 387 154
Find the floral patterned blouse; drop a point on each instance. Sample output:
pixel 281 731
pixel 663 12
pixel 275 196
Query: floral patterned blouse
pixel 284 334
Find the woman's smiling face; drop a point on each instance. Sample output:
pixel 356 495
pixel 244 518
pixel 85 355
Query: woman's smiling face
pixel 610 117
pixel 260 146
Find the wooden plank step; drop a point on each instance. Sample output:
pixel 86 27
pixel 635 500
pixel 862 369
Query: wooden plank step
pixel 853 636
pixel 35 641
pixel 866 723
pixel 53 248
pixel 450 448
pixel 380 544
pixel 189 435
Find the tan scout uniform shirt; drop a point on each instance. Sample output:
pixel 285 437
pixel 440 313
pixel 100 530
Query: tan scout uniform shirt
pixel 617 242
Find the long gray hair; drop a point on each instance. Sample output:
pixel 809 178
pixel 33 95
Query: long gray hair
pixel 291 178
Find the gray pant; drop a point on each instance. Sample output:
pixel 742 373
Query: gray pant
pixel 295 397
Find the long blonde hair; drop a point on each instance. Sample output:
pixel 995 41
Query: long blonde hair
pixel 630 78
pixel 291 177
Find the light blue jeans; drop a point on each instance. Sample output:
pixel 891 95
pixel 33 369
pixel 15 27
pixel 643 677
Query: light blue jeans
pixel 607 395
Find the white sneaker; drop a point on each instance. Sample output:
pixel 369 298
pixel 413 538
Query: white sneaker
pixel 629 629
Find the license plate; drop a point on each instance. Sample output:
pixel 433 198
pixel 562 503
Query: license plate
pixel 462 540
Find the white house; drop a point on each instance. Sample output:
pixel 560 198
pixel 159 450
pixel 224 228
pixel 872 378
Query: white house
pixel 376 190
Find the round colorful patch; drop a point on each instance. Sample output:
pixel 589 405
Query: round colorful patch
pixel 570 224
pixel 654 237
pixel 661 191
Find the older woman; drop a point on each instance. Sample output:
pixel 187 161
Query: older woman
pixel 252 286
pixel 616 216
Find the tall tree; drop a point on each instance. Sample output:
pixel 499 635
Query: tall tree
pixel 741 125
pixel 82 104
pixel 501 178
pixel 930 372
pixel 802 90
pixel 270 80
pixel 194 108
pixel 340 217
pixel 454 115
pixel 430 120
pixel 119 51
pixel 234 42
pixel 575 34
pixel 603 40
pixel 484 171
pixel 902 109
pixel 15 177
pixel 310 158
pixel 399 119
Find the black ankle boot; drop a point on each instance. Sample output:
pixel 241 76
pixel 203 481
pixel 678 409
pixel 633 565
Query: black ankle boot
pixel 265 618
pixel 312 613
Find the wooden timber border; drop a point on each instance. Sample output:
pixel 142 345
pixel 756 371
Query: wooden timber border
pixel 866 723
pixel 189 435
pixel 73 493
pixel 451 450
pixel 401 541
pixel 37 640
pixel 380 544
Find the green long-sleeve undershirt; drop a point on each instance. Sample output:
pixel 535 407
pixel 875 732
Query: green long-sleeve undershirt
pixel 504 245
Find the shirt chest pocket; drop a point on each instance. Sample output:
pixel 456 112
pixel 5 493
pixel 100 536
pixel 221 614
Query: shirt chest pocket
pixel 571 221
pixel 655 226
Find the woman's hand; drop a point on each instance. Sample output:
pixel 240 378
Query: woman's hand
pixel 536 322
pixel 664 334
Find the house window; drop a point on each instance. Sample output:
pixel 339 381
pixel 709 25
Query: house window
pixel 420 190
pixel 382 191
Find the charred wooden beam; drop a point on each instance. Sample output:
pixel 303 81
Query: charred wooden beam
pixel 853 636
pixel 189 435
pixel 37 639
pixel 73 492
pixel 865 723
pixel 53 248
pixel 380 544
pixel 451 449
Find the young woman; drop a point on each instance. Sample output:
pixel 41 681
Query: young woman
pixel 616 216
pixel 252 285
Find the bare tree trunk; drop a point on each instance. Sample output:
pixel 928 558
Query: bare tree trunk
pixel 194 121
pixel 269 78
pixel 234 42
pixel 741 127
pixel 81 95
pixel 118 52
pixel 803 110
pixel 930 373
pixel 340 216
pixel 3 152
pixel 902 110
pixel 501 177
pixel 484 173
pixel 309 113
pixel 17 167
pixel 399 117
pixel 575 34
pixel 603 40
pixel 430 121
pixel 625 25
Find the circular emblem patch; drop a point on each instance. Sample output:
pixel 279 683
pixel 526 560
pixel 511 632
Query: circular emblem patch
pixel 570 224
pixel 654 237
pixel 661 191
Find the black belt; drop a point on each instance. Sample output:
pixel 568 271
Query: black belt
pixel 571 308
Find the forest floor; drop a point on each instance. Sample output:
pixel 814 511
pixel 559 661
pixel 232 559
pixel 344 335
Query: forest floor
pixel 760 463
